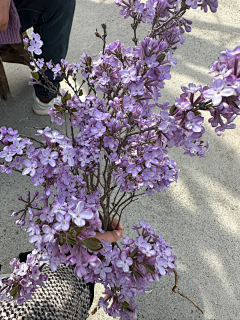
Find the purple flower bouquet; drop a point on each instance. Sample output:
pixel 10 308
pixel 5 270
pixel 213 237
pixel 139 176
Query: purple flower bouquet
pixel 113 150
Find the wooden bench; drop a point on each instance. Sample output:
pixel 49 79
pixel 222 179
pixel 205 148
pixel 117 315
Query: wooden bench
pixel 11 53
pixel 4 87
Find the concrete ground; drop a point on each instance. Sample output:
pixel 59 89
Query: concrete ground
pixel 200 215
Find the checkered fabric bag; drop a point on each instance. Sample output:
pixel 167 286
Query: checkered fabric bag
pixel 64 296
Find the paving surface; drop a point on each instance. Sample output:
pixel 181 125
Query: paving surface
pixel 200 215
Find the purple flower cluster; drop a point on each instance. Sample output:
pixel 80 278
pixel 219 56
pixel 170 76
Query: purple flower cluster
pixel 225 93
pixel 24 279
pixel 126 273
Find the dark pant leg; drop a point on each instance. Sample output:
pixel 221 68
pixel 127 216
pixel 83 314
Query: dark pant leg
pixel 52 19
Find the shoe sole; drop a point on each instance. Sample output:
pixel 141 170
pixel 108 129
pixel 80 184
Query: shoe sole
pixel 40 112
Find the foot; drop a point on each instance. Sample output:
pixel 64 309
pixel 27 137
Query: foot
pixel 40 106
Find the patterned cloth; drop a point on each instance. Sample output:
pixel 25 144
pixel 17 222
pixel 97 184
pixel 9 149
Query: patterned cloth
pixel 64 296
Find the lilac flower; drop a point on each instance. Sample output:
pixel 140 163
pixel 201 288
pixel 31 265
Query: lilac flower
pixel 68 156
pixel 150 158
pixel 194 122
pixel 192 3
pixel 136 89
pixel 218 91
pixel 48 233
pixel 160 264
pixel 17 146
pixel 164 72
pixel 100 116
pixel 128 75
pixel 147 250
pixel 167 123
pixel 47 215
pixel 30 167
pixel 138 7
pixel 151 61
pixel 35 44
pixel 62 222
pixel 133 169
pixel 102 270
pixel 80 215
pixel 183 104
pixel 104 79
pixel 113 157
pixel 108 142
pixel 124 262
pixel 17 163
pixel 48 157
pixel 7 153
pixel 55 136
pixel 35 273
pixel 98 130
pixel 128 103
pixel 141 242
pixel 22 269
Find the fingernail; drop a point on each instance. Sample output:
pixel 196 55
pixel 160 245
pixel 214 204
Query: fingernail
pixel 118 233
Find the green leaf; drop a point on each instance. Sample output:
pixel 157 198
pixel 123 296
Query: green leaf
pixel 14 291
pixel 93 244
pixel 35 75
pixel 149 268
pixel 89 61
pixel 62 238
pixel 173 108
pixel 72 110
pixel 71 232
pixel 233 103
pixel 134 253
pixel 137 274
pixel 160 58
pixel 125 306
pixel 71 241
pixel 79 230
pixel 196 113
pixel 58 108
pixel 66 97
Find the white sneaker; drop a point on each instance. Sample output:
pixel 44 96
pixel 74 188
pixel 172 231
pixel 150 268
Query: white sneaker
pixel 41 108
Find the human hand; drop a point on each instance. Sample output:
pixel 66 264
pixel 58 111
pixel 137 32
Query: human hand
pixel 4 14
pixel 111 236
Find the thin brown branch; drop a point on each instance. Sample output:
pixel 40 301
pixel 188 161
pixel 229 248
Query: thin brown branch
pixel 174 289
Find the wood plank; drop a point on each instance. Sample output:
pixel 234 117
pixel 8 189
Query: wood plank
pixel 4 87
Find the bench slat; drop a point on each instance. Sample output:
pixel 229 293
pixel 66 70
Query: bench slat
pixel 4 87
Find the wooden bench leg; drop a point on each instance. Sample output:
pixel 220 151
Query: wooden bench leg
pixel 4 87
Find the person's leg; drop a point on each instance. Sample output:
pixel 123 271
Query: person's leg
pixel 53 21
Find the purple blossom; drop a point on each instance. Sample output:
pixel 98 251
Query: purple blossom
pixel 136 89
pixel 35 44
pixel 128 75
pixel 218 91
pixel 109 142
pixel 48 157
pixel 192 3
pixel 133 169
pixel 30 167
pixel 98 130
pixel 68 156
pixel 125 262
pixel 194 122
pixel 62 222
pixel 102 270
pixel 80 215
pixel 48 233
pixel 7 153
